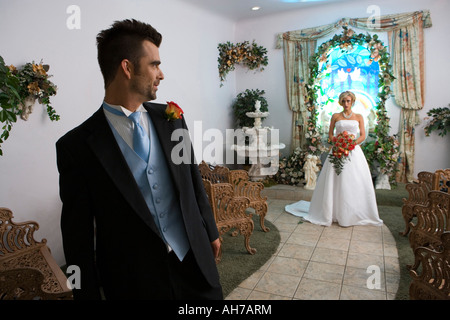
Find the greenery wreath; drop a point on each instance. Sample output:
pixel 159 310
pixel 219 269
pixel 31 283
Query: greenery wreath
pixel 382 150
pixel 250 55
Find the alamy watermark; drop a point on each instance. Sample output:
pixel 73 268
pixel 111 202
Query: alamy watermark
pixel 257 146
pixel 73 21
pixel 374 280
pixel 373 21
pixel 73 277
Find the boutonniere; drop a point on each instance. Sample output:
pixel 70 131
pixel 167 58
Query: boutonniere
pixel 173 111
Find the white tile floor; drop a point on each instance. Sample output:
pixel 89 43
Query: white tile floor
pixel 320 263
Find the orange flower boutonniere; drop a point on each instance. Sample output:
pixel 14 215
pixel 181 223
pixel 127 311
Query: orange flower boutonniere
pixel 173 111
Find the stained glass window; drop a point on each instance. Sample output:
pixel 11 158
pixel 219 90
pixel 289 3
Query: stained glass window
pixel 349 69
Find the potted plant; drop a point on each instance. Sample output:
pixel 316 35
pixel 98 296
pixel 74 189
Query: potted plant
pixel 245 102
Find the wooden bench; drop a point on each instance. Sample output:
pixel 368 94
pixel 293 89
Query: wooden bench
pixel 432 221
pixel 441 180
pixel 229 212
pixel 418 192
pixel 431 272
pixel 28 271
pixel 242 186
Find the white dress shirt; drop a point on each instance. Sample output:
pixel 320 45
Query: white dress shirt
pixel 124 125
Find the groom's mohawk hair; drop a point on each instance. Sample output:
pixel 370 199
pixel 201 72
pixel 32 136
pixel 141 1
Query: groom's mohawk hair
pixel 123 41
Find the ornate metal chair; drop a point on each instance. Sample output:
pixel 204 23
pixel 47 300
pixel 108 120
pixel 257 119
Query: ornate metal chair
pixel 432 221
pixel 27 268
pixel 229 212
pixel 242 186
pixel 418 194
pixel 431 272
pixel 441 180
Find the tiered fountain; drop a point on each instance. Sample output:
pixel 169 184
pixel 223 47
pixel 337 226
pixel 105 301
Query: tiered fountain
pixel 262 147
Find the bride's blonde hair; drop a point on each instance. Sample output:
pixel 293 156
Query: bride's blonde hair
pixel 345 94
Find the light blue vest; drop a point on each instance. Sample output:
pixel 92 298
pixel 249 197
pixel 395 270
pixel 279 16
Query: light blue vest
pixel 155 183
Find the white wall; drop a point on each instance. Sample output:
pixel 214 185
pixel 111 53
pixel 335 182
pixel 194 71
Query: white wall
pixel 431 152
pixel 35 30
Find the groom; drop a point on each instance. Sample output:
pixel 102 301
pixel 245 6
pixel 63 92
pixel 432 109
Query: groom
pixel 136 224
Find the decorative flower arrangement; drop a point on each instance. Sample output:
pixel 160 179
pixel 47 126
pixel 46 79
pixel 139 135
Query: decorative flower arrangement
pixel 35 84
pixel 250 55
pixel 291 168
pixel 343 144
pixel 19 88
pixel 173 111
pixel 383 153
pixel 379 53
pixel 440 121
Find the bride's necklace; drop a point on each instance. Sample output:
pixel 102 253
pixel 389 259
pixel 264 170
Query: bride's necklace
pixel 347 117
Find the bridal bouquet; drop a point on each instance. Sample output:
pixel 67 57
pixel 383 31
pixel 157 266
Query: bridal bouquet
pixel 343 144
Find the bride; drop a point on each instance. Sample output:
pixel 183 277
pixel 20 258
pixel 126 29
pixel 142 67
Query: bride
pixel 347 198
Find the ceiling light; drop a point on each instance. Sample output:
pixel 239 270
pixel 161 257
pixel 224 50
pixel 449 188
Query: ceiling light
pixel 256 8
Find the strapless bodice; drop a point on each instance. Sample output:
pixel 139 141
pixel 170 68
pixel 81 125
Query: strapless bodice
pixel 351 126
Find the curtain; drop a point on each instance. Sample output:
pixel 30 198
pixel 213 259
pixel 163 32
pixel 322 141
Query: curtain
pixel 408 68
pixel 298 47
pixel 405 31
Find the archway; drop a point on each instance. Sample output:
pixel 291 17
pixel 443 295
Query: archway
pixel 382 148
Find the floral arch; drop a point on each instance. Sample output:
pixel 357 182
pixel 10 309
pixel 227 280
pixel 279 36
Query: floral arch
pixel 380 148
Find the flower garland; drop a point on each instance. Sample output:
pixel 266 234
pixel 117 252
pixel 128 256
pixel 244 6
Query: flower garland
pixel 386 157
pixel 250 55
pixel 34 83
pixel 19 88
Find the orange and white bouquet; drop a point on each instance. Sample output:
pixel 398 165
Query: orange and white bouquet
pixel 342 145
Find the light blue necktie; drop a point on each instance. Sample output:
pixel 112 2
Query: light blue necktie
pixel 141 141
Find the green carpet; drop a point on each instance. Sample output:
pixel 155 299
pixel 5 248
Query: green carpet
pixel 390 211
pixel 237 264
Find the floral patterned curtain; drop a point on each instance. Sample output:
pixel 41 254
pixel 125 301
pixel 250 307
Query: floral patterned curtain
pixel 405 31
pixel 408 68
pixel 299 46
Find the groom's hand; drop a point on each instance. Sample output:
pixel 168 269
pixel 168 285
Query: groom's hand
pixel 215 245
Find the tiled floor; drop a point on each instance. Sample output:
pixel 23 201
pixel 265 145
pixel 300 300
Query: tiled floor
pixel 319 263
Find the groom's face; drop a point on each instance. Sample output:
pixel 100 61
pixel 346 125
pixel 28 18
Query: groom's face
pixel 147 75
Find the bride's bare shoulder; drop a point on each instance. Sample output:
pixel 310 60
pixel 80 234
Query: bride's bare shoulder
pixel 335 115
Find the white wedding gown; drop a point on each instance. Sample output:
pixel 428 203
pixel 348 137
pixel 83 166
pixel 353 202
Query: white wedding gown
pixel 348 198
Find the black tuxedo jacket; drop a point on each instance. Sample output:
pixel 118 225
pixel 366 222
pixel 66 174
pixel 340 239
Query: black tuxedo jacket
pixel 102 201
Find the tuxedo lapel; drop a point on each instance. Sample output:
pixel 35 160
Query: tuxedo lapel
pixel 164 129
pixel 106 149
